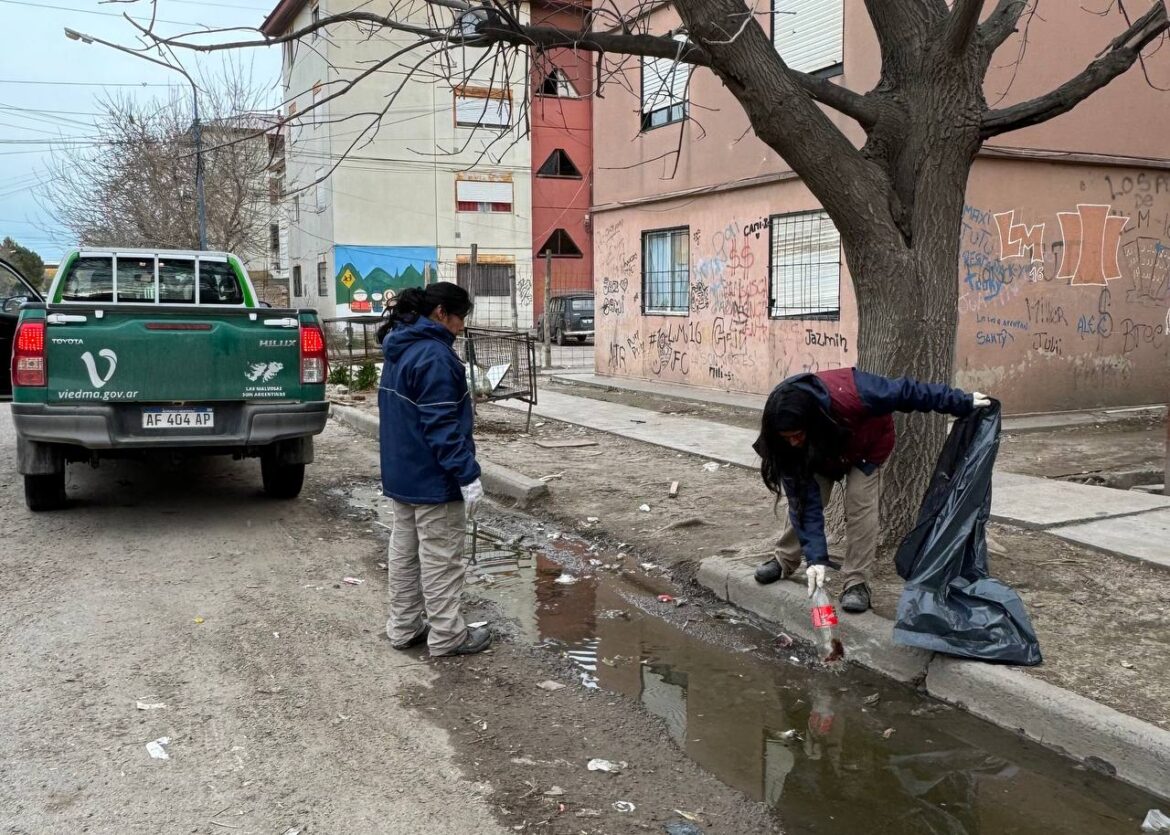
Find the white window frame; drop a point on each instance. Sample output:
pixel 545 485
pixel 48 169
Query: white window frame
pixel 804 266
pixel 810 35
pixel 483 108
pixel 679 275
pixel 664 100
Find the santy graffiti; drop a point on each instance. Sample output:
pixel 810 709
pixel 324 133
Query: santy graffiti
pixel 1017 240
pixel 1091 244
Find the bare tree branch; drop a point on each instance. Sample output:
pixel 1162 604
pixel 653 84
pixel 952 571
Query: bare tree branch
pixel 1119 56
pixel 1001 23
pixel 961 24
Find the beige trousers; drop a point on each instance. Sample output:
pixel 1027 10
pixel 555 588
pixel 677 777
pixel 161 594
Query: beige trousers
pixel 425 569
pixel 862 494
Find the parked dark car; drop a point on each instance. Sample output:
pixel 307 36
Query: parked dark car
pixel 14 292
pixel 570 315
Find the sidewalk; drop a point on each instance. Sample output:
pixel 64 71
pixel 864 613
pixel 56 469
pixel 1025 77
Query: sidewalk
pixel 1126 523
pixel 755 402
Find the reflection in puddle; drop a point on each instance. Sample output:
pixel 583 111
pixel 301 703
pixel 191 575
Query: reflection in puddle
pixel 840 752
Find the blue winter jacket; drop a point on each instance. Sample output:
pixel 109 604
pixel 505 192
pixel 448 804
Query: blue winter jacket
pixel 879 396
pixel 426 417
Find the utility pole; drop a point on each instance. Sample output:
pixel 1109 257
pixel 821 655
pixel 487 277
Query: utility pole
pixel 547 294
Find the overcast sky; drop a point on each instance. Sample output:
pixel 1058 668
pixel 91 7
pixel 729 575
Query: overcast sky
pixel 50 87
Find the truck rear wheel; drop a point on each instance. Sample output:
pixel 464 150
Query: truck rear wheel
pixel 281 481
pixel 44 492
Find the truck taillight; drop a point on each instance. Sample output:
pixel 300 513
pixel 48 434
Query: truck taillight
pixel 314 362
pixel 28 355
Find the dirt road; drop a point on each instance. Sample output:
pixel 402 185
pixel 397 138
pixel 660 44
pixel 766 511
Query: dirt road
pixel 285 708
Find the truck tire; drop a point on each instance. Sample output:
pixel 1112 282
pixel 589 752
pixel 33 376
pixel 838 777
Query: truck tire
pixel 44 492
pixel 281 481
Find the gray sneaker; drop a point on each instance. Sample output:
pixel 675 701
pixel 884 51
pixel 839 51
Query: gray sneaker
pixel 855 599
pixel 477 640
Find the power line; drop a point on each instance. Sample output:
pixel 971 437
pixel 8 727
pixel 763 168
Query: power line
pixel 85 83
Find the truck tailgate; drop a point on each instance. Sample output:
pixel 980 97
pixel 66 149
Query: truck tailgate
pixel 163 355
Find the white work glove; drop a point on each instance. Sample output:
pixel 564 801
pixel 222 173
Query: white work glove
pixel 472 493
pixel 980 400
pixel 816 578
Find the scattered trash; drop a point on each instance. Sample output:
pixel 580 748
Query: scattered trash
pixel 873 700
pixel 887 733
pixel 592 519
pixel 555 791
pixel 687 815
pixel 382 566
pixel 588 813
pixel 141 705
pixel 644 508
pixel 548 478
pixel 665 598
pixel 608 766
pixel 1156 821
pixel 477 624
pixel 711 466
pixel 623 806
pixel 553 537
pixel 1127 665
pixel 523 761
pixel 783 639
pixel 748 648
pixel 353 581
pixel 681 828
pixel 156 750
pixel 551 686
pixel 199 620
pixel 609 662
pixel 673 493
pixel 790 735
pixel 824 619
pixel 647 566
pixel 292 830
pixel 595 563
pixel 566 579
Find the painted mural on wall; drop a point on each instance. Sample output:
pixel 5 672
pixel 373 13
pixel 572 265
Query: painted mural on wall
pixel 1069 307
pixel 727 339
pixel 369 276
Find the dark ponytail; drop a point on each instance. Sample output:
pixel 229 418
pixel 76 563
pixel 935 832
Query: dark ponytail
pixel 414 302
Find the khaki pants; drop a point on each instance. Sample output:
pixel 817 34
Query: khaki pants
pixel 425 568
pixel 862 493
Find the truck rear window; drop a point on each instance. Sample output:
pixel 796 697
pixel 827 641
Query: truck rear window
pixel 135 281
pixel 90 280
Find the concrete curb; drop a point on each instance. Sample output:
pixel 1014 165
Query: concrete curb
pixel 1134 751
pixel 497 480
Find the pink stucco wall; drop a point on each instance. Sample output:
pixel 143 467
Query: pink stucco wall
pixel 727 340
pixel 1066 308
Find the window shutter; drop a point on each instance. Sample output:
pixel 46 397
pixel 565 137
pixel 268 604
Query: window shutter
pixel 483 191
pixel 808 33
pixel 481 110
pixel 664 82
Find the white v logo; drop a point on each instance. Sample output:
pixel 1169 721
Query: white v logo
pixel 91 366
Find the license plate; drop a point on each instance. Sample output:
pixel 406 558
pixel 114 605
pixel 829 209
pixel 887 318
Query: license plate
pixel 586 321
pixel 178 418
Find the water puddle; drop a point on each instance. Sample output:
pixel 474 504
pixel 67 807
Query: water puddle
pixel 838 751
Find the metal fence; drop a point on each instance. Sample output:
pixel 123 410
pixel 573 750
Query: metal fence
pixel 352 339
pixel 501 365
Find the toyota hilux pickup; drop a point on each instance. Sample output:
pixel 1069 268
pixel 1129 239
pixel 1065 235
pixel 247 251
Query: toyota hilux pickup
pixel 137 353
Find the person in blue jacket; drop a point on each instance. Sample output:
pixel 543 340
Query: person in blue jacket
pixel 838 425
pixel 429 471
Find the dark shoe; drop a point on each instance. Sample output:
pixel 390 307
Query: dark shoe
pixel 477 640
pixel 855 599
pixel 770 572
pixel 414 641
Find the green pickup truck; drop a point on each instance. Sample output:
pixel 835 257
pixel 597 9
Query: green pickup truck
pixel 137 353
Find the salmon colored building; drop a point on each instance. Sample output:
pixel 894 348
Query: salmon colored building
pixel 561 115
pixel 715 266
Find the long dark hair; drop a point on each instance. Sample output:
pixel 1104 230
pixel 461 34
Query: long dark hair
pixel 414 302
pixel 791 408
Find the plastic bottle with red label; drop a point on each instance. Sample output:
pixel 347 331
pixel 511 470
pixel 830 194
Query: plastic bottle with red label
pixel 824 622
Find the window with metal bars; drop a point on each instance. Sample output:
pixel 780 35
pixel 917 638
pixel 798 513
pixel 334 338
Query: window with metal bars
pixel 804 266
pixel 322 279
pixel 490 279
pixel 666 270
pixel 297 282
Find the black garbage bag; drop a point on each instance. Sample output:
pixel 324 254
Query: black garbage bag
pixel 950 604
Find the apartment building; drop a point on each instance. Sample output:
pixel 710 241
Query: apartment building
pixel 420 172
pixel 715 266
